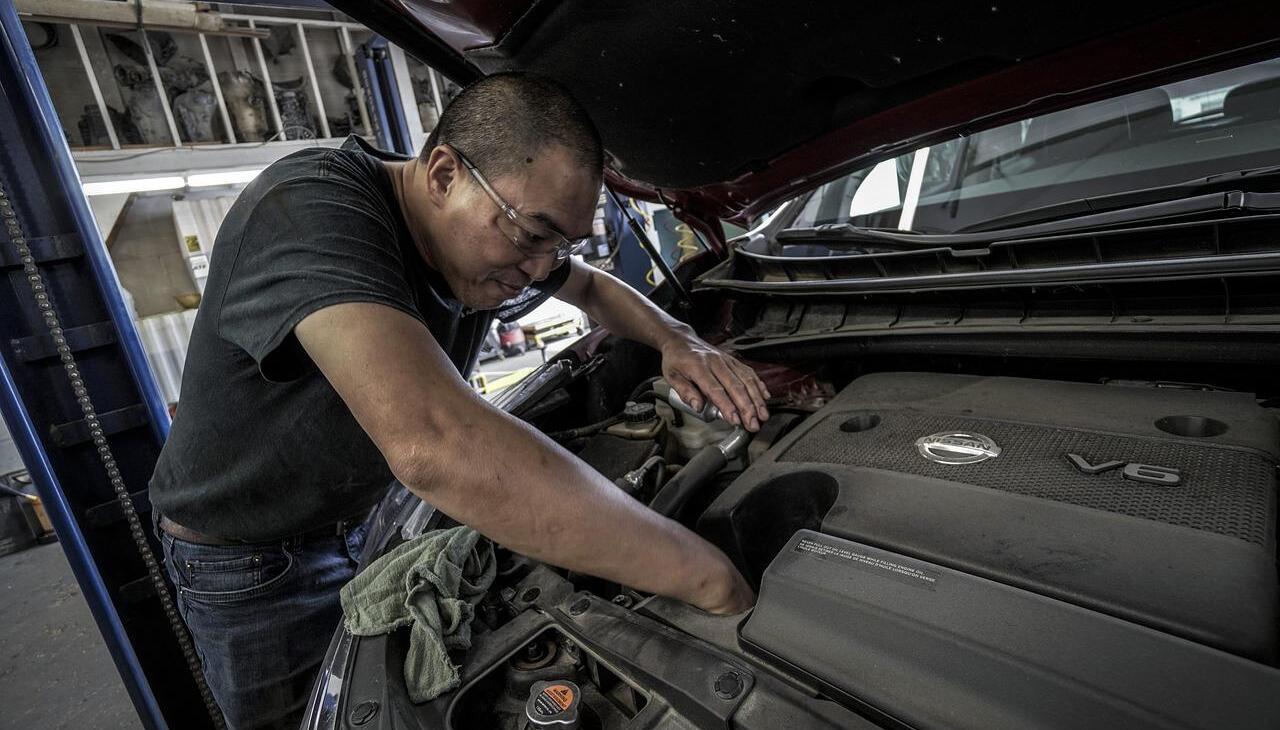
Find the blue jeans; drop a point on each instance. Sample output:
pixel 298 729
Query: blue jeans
pixel 262 616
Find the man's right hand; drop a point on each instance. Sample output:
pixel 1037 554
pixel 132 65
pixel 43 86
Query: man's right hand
pixel 727 593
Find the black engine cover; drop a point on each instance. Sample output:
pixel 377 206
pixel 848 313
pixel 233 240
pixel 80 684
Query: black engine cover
pixel 1157 506
pixel 932 647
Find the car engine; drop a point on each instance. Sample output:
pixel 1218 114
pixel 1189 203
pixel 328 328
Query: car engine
pixel 1036 553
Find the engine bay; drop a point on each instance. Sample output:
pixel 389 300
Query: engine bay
pixel 929 550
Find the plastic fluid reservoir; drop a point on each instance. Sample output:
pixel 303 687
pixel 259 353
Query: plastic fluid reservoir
pixel 553 705
pixel 692 434
pixel 640 422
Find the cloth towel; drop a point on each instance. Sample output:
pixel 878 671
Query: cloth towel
pixel 432 584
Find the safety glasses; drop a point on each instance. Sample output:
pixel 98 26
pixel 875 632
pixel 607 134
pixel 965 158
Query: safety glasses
pixel 529 235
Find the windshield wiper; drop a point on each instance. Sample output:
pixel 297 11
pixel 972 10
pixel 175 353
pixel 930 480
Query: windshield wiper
pixel 1082 210
pixel 848 233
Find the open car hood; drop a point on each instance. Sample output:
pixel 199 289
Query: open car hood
pixel 723 109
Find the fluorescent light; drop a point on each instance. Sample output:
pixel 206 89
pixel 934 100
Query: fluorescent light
pixel 234 177
pixel 173 182
pixel 134 185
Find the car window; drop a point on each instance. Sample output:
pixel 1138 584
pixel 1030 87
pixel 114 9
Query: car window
pixel 1220 122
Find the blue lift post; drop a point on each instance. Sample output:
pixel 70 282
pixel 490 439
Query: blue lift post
pixel 77 394
pixel 386 112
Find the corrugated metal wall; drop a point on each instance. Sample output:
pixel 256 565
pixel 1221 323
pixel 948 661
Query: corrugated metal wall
pixel 165 337
pixel 197 222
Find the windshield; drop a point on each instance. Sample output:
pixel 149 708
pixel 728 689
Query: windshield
pixel 1222 122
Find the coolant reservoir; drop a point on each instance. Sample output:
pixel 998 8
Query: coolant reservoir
pixel 691 435
pixel 640 422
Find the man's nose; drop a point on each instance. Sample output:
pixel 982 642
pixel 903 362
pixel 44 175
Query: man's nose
pixel 539 267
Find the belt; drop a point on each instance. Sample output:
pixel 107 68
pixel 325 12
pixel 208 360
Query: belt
pixel 173 529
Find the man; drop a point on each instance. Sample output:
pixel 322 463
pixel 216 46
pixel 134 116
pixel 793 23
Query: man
pixel 348 295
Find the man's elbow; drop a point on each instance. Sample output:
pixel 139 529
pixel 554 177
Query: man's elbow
pixel 439 454
pixel 415 464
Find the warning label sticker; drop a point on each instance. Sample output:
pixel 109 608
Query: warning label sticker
pixel 554 700
pixel 909 574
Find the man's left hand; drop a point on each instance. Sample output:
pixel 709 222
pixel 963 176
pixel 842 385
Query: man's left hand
pixel 700 372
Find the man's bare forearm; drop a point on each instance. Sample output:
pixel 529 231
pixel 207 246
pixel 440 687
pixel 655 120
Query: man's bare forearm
pixel 555 509
pixel 694 368
pixel 628 314
pixel 497 474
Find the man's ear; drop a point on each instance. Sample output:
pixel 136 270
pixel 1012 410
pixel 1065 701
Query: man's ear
pixel 443 174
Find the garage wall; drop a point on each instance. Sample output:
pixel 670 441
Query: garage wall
pixel 146 253
pixel 147 258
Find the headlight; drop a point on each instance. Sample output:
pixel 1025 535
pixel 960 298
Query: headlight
pixel 322 708
pixel 399 514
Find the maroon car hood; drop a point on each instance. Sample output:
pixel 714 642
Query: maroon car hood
pixel 723 109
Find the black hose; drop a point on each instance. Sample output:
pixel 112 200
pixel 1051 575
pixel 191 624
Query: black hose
pixel 649 396
pixel 643 392
pixel 645 385
pixel 635 481
pixel 701 469
pixel 649 464
pixel 588 430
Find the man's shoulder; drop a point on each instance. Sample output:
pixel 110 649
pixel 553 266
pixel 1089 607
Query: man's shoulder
pixel 304 195
pixel 308 185
pixel 319 165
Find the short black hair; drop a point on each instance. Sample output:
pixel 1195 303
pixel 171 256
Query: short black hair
pixel 502 119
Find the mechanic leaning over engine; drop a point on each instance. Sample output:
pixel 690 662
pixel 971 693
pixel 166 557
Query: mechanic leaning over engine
pixel 349 293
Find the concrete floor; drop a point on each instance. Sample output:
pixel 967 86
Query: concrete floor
pixel 55 671
pixel 530 359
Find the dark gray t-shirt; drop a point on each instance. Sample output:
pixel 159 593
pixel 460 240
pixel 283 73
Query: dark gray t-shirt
pixel 262 446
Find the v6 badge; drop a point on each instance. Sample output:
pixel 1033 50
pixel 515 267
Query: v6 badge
pixel 1146 473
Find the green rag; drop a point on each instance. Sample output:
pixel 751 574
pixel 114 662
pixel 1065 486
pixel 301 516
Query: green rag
pixel 432 584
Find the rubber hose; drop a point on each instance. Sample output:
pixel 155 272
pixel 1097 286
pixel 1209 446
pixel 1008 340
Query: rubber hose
pixel 645 385
pixel 701 469
pixel 587 430
pixel 649 396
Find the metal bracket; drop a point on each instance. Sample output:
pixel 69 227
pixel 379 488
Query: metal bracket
pixel 111 512
pixel 43 347
pixel 79 432
pixel 44 249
